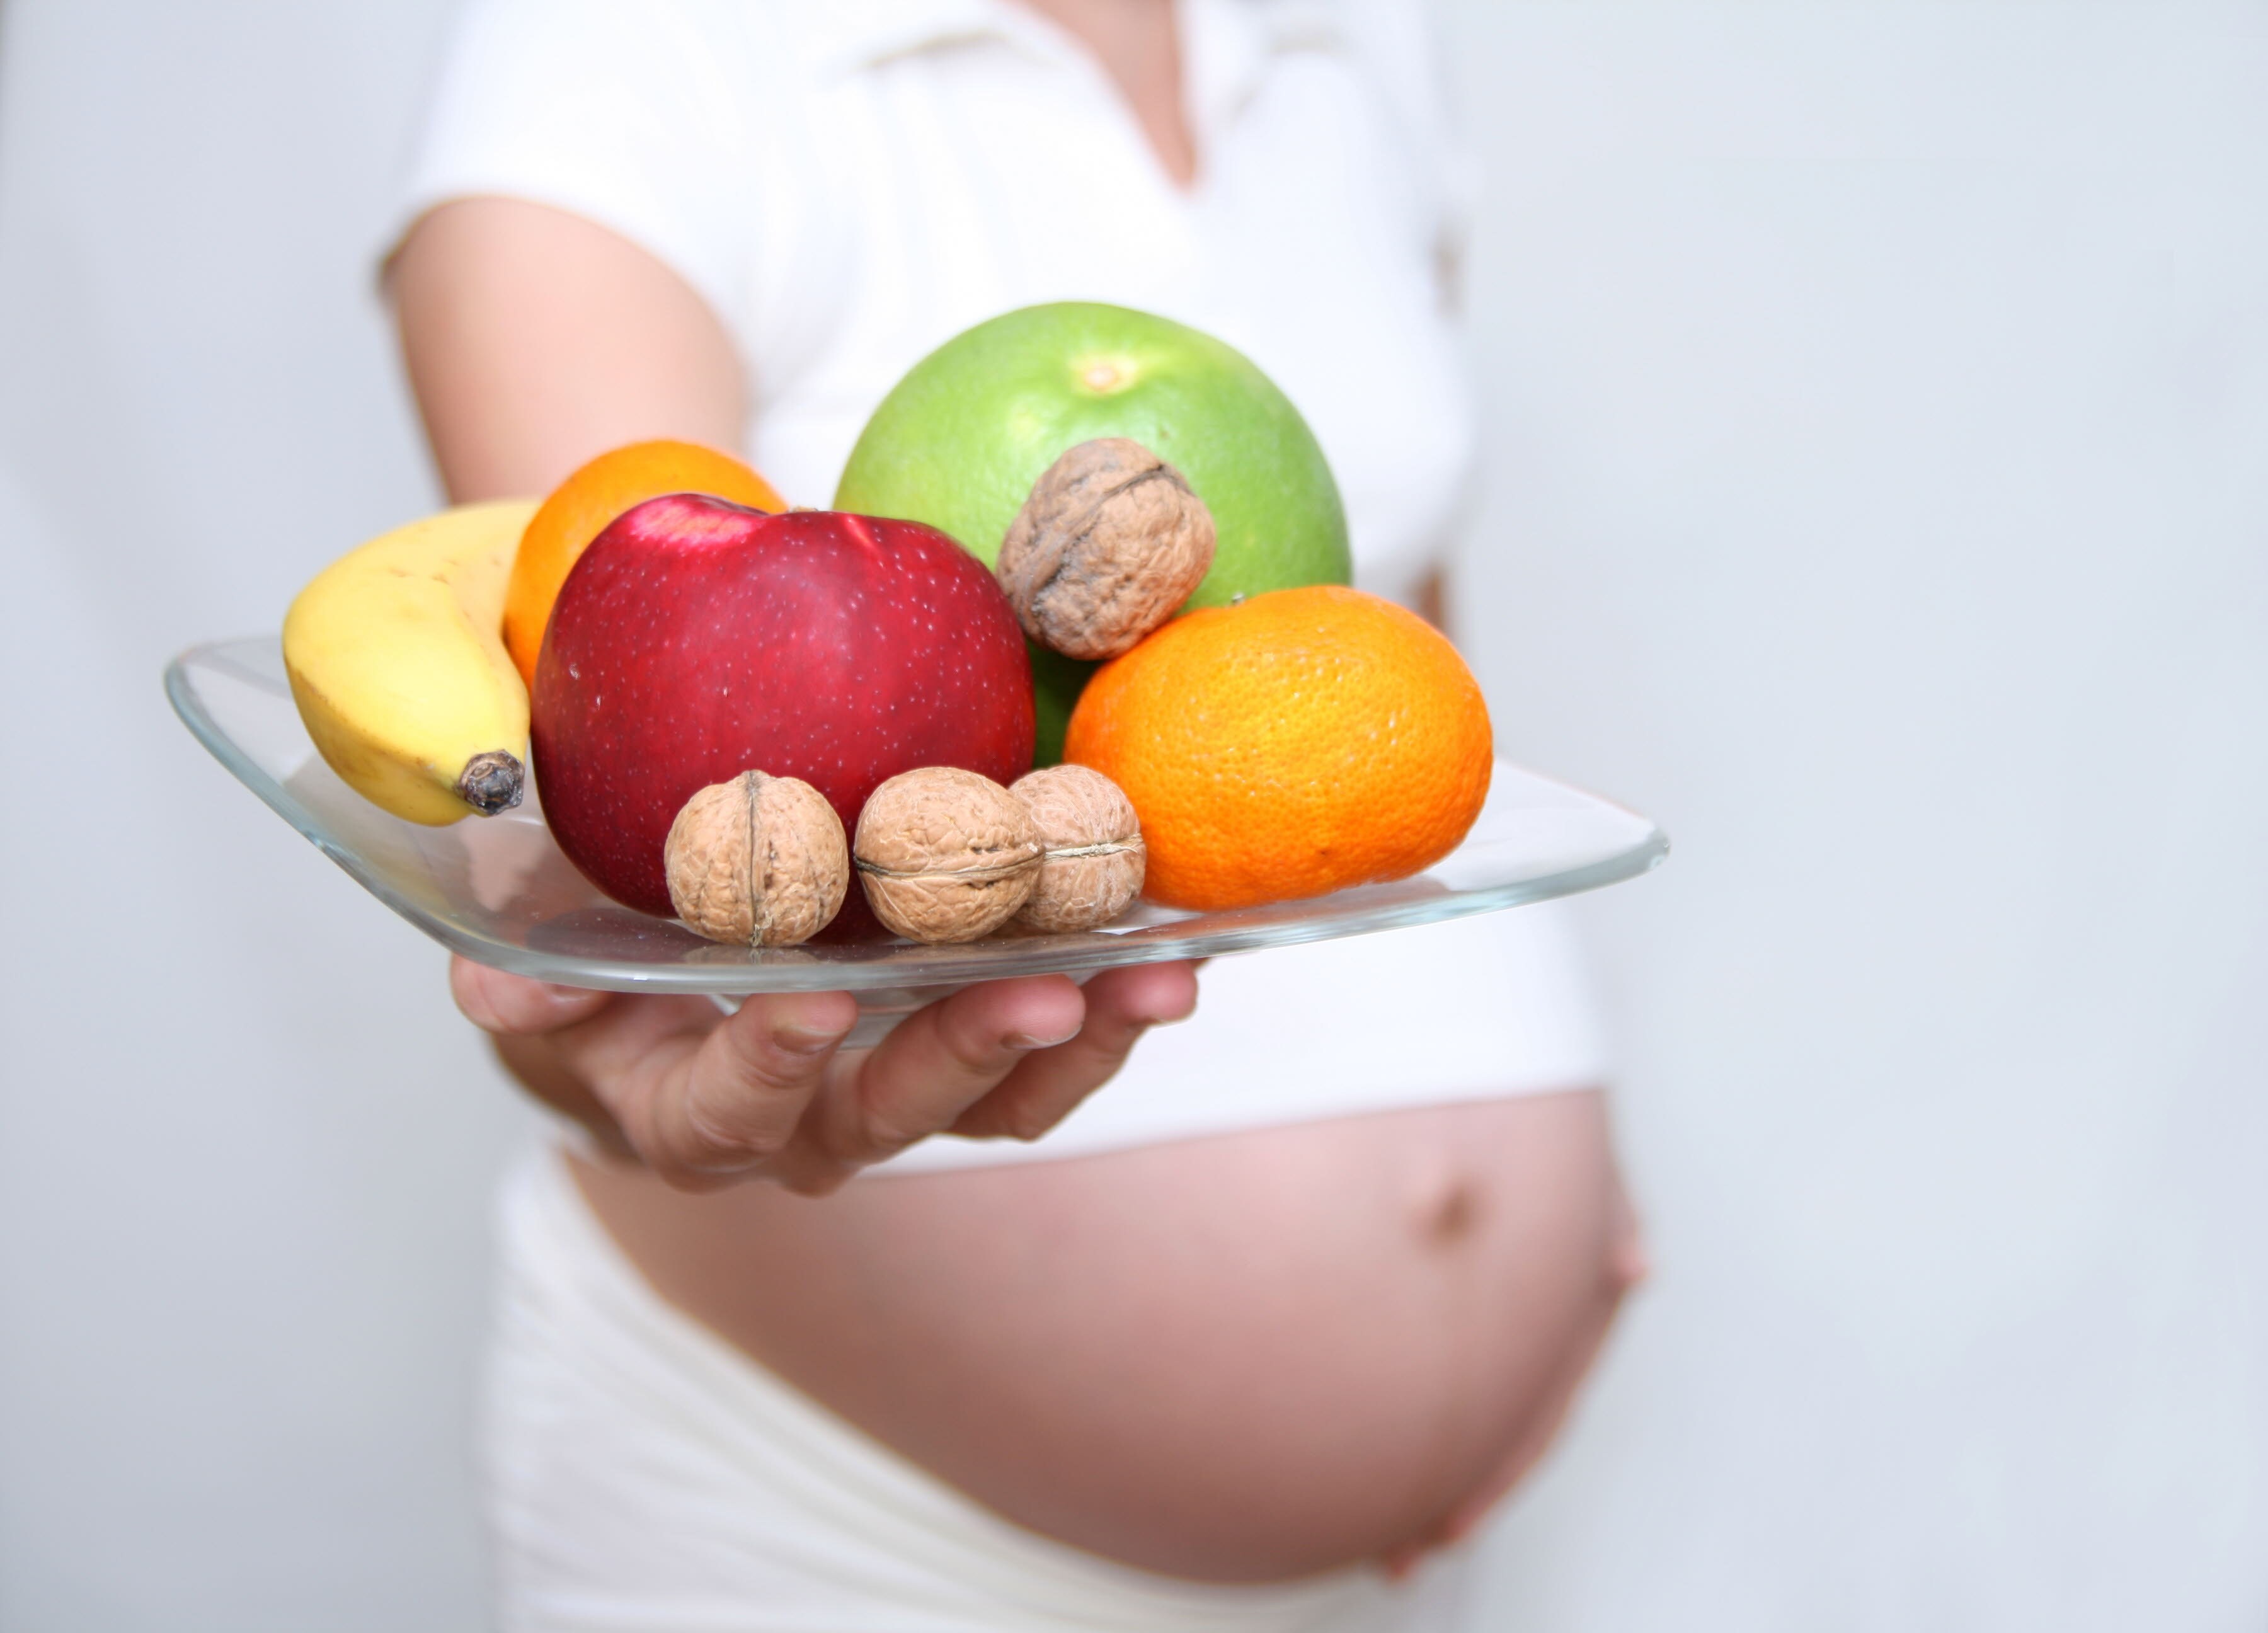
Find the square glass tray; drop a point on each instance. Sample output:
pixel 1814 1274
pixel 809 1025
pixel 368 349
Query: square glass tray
pixel 497 890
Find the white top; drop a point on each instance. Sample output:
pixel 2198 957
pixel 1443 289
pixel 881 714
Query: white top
pixel 850 184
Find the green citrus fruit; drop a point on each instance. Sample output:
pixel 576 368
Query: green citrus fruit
pixel 960 441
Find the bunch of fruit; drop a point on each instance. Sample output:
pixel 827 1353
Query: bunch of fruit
pixel 1073 534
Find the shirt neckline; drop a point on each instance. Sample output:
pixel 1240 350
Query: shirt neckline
pixel 1227 48
pixel 851 35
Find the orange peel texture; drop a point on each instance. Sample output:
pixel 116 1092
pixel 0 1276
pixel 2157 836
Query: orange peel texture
pixel 1304 741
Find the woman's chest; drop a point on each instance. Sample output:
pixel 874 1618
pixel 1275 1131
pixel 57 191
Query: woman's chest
pixel 962 190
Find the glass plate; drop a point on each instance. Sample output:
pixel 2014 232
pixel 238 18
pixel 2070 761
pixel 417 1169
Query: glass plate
pixel 497 890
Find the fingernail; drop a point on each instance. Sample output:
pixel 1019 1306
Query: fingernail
pixel 799 1040
pixel 1023 1042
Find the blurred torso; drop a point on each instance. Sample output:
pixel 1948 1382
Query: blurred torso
pixel 1245 1357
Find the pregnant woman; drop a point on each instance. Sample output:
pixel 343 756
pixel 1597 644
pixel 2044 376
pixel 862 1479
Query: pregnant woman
pixel 1255 1334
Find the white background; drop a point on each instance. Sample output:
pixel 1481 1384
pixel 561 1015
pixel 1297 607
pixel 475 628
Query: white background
pixel 1877 492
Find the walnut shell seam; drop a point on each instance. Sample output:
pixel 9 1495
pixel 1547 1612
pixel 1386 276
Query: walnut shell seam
pixel 968 875
pixel 756 861
pixel 1091 570
pixel 760 855
pixel 1052 554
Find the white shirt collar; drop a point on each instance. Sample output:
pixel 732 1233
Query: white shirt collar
pixel 1230 41
pixel 847 35
pixel 1227 47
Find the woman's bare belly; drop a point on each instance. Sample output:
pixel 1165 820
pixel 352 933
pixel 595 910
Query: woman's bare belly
pixel 1242 1358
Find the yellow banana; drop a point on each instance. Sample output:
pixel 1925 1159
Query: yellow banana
pixel 398 665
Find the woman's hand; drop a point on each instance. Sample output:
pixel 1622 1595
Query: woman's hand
pixel 705 1098
pixel 536 339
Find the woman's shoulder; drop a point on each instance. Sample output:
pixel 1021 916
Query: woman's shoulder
pixel 674 123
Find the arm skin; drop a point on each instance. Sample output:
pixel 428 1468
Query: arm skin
pixel 535 340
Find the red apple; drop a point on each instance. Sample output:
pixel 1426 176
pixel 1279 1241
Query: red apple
pixel 696 640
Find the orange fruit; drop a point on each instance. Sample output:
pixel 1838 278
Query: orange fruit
pixel 580 508
pixel 1303 741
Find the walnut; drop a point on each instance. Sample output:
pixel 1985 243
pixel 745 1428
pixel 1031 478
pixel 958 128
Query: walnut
pixel 1093 864
pixel 1110 544
pixel 945 855
pixel 759 860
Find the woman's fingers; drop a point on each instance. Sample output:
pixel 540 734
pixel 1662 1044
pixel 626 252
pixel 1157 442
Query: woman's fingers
pixel 514 1005
pixel 702 1110
pixel 702 1099
pixel 1046 1087
pixel 943 1059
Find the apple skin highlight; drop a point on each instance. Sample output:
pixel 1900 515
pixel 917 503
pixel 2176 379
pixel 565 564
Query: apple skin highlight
pixel 696 640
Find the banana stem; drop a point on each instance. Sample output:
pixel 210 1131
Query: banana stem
pixel 491 783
